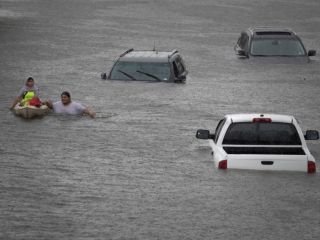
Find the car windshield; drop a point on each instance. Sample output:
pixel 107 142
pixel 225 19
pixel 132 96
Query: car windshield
pixel 277 47
pixel 259 133
pixel 143 71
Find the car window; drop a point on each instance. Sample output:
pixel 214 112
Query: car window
pixel 277 47
pixel 178 67
pixel 262 134
pixel 140 71
pixel 243 41
pixel 218 129
pixel 175 69
pixel 182 63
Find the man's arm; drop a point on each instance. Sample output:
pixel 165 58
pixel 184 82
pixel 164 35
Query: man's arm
pixel 88 111
pixel 16 100
pixel 19 98
pixel 48 103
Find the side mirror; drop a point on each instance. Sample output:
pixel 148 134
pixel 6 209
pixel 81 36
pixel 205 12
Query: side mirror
pixel 312 135
pixel 103 76
pixel 181 78
pixel 312 53
pixel 204 134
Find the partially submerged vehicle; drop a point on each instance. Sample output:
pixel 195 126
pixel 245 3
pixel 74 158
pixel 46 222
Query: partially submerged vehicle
pixel 261 142
pixel 262 43
pixel 148 66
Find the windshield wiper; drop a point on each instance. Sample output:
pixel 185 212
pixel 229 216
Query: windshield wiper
pixel 127 74
pixel 149 75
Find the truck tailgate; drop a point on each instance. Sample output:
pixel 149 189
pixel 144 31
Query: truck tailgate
pixel 268 162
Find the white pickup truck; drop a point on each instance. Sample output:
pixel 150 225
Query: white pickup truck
pixel 261 142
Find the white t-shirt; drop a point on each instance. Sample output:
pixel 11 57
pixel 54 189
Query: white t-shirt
pixel 72 108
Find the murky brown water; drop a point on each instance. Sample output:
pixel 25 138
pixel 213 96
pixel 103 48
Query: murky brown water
pixel 137 171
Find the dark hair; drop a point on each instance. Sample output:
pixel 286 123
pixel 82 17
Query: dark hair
pixel 30 79
pixel 65 93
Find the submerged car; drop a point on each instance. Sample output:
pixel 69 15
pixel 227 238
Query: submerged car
pixel 261 142
pixel 148 66
pixel 271 42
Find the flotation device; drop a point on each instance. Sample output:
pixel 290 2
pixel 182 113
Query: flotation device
pixel 27 96
pixel 35 101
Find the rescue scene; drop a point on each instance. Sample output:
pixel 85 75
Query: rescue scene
pixel 173 119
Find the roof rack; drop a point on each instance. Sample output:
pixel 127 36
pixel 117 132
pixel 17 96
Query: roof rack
pixel 270 28
pixel 174 51
pixel 129 50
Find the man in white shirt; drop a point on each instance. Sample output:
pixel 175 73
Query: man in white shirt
pixel 66 106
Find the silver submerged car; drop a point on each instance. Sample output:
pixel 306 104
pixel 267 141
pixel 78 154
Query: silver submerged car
pixel 149 65
pixel 270 43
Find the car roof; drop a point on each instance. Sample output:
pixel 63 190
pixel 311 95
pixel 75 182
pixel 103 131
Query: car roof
pixel 132 55
pixel 264 32
pixel 248 117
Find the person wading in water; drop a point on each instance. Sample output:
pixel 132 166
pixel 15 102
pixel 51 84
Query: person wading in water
pixel 66 106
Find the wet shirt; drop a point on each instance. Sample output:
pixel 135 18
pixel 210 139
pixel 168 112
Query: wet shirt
pixel 25 89
pixel 72 108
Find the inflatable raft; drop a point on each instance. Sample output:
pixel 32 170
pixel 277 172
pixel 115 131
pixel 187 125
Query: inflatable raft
pixel 30 111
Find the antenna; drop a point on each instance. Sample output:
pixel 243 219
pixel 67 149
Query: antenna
pixel 154 45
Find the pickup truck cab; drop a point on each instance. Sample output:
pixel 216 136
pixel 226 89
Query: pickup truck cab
pixel 261 142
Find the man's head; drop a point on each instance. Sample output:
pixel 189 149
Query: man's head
pixel 65 98
pixel 30 82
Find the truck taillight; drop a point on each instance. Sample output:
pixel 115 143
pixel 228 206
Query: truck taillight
pixel 223 164
pixel 311 167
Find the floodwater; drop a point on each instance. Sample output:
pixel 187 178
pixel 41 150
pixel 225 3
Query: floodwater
pixel 137 171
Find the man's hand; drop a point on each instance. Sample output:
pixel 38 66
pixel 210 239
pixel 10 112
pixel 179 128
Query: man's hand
pixel 91 113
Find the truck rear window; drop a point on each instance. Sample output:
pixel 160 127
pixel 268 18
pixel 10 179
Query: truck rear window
pixel 260 133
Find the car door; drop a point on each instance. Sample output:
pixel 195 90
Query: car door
pixel 241 47
pixel 179 69
pixel 217 150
